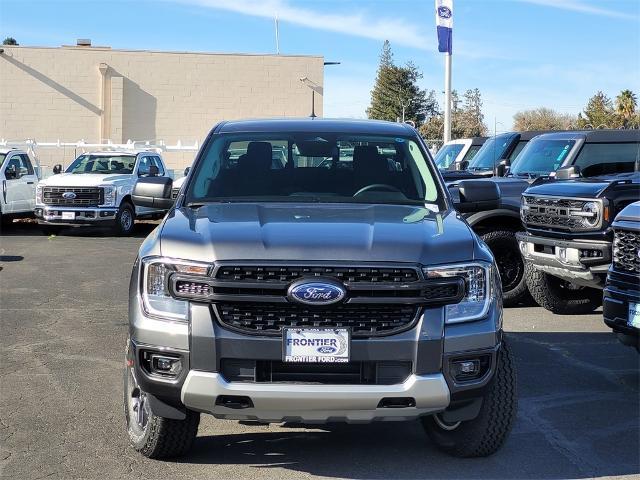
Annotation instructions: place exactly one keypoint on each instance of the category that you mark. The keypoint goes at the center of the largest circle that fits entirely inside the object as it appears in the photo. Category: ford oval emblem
(68, 195)
(318, 292)
(327, 349)
(444, 12)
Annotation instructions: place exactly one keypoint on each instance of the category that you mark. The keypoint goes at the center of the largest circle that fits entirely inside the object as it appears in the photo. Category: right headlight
(154, 287)
(477, 278)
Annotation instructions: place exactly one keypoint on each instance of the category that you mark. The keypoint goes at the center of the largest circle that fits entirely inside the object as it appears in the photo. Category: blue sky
(521, 54)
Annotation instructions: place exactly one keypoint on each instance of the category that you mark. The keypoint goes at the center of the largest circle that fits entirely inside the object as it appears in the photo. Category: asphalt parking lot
(63, 324)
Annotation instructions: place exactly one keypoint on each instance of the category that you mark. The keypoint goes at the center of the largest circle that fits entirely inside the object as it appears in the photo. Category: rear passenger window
(605, 158)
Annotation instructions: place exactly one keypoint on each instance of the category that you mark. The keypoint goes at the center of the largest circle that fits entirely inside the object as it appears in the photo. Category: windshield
(447, 154)
(541, 157)
(320, 168)
(491, 151)
(103, 164)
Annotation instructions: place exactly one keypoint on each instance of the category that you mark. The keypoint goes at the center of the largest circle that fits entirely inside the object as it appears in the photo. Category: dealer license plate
(316, 345)
(634, 315)
(68, 215)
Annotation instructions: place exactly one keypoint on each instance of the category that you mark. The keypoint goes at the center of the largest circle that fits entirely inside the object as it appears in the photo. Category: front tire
(125, 219)
(504, 246)
(485, 434)
(153, 436)
(560, 296)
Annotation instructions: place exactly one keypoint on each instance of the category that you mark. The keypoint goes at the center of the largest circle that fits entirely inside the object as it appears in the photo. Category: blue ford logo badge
(68, 195)
(444, 12)
(327, 349)
(321, 292)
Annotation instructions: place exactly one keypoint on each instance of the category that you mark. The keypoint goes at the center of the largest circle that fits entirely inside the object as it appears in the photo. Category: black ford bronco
(568, 218)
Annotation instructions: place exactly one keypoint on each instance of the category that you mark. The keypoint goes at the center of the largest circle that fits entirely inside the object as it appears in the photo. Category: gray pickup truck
(338, 284)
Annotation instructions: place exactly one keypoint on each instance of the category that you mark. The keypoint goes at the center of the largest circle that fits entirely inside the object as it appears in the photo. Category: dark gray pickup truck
(339, 284)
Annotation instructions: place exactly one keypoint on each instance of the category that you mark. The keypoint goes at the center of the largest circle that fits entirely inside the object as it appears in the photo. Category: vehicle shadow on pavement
(32, 229)
(577, 418)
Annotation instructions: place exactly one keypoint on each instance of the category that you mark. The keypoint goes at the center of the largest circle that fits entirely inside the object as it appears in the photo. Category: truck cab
(95, 189)
(19, 177)
(457, 154)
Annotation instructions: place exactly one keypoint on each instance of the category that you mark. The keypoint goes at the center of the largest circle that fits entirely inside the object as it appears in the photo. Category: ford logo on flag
(68, 195)
(444, 12)
(320, 292)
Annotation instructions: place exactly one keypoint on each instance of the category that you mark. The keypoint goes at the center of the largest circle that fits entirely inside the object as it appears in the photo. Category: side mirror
(186, 171)
(463, 165)
(477, 195)
(57, 169)
(501, 168)
(11, 172)
(566, 173)
(153, 192)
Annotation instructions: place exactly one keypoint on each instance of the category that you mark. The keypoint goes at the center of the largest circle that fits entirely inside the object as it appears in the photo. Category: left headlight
(154, 286)
(109, 195)
(478, 289)
(39, 194)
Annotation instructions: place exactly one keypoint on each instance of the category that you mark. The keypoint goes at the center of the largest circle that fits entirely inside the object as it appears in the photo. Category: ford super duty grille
(552, 213)
(77, 196)
(379, 300)
(626, 245)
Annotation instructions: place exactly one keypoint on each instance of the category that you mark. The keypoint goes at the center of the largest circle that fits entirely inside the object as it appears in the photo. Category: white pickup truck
(19, 178)
(96, 190)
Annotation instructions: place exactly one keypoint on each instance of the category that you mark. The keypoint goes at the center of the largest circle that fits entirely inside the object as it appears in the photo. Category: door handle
(29, 183)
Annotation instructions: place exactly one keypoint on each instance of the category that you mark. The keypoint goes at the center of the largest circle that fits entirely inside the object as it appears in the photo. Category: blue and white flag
(444, 24)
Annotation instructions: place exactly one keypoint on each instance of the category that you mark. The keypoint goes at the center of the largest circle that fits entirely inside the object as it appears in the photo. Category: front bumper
(430, 348)
(59, 215)
(622, 289)
(279, 402)
(577, 261)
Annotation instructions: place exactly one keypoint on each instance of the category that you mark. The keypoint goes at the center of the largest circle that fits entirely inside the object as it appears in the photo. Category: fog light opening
(465, 369)
(161, 364)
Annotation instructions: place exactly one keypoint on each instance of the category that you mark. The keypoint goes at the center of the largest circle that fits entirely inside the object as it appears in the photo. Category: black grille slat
(85, 196)
(558, 217)
(363, 319)
(276, 273)
(626, 245)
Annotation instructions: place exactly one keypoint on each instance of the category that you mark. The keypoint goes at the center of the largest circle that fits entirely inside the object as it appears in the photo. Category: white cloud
(397, 31)
(582, 7)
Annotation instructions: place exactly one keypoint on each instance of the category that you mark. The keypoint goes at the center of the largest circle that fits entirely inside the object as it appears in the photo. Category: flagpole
(447, 97)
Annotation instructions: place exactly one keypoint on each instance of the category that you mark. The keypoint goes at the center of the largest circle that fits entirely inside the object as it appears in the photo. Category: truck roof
(312, 125)
(595, 136)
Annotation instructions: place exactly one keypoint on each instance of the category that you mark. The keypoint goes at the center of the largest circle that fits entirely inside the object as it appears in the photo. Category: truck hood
(83, 179)
(630, 213)
(340, 232)
(581, 187)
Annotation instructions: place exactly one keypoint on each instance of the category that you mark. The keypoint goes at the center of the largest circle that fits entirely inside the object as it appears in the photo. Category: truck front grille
(379, 300)
(275, 273)
(77, 196)
(363, 319)
(626, 245)
(552, 213)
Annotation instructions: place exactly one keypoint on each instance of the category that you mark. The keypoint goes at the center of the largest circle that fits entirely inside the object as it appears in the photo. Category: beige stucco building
(97, 94)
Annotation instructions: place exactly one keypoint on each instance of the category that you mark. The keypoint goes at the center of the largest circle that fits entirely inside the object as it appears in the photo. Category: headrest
(366, 157)
(258, 157)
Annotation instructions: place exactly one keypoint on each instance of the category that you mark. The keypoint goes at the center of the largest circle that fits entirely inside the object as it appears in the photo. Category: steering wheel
(377, 186)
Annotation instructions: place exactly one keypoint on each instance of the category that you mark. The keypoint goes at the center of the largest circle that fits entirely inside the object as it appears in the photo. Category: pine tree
(396, 87)
(598, 113)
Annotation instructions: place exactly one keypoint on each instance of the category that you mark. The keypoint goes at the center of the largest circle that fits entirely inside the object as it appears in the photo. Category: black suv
(568, 218)
(622, 291)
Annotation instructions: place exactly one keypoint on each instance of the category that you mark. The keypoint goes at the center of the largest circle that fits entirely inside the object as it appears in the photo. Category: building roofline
(175, 52)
